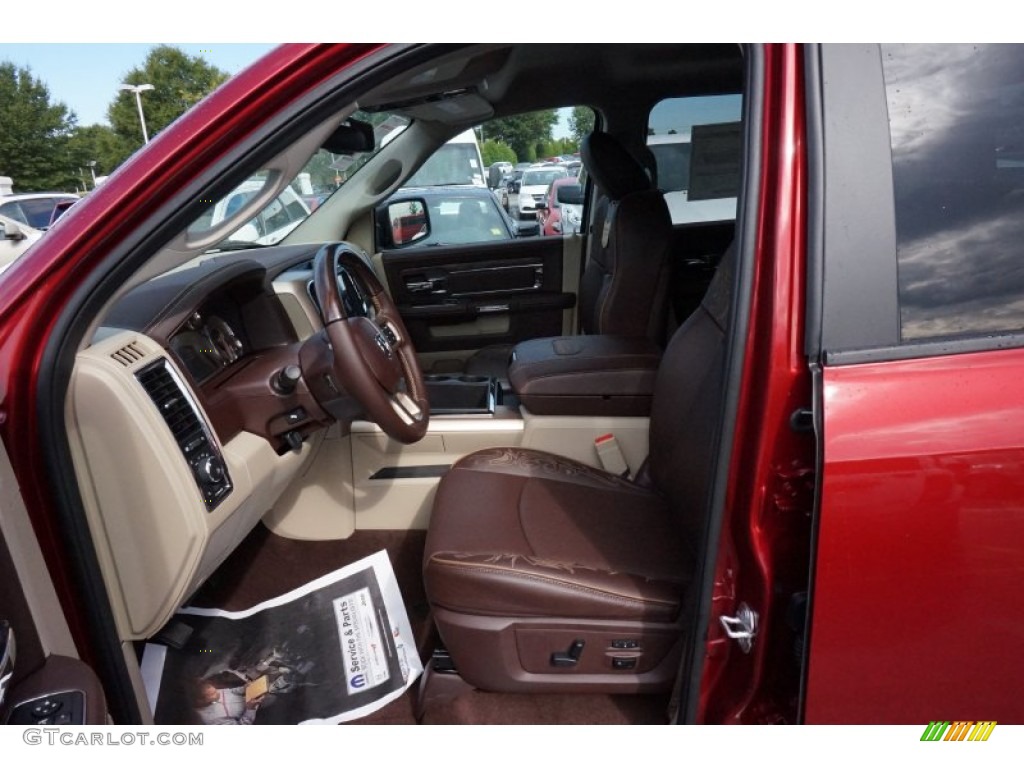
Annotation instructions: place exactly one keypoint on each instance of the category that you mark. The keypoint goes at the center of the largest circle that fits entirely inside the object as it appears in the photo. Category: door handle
(435, 285)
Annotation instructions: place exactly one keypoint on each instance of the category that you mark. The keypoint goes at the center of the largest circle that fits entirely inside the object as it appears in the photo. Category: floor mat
(480, 708)
(332, 650)
(266, 565)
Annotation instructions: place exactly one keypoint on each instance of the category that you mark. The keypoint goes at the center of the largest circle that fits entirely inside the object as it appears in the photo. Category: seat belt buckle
(610, 455)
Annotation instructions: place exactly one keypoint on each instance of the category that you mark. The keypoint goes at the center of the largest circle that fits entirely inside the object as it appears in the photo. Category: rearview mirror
(570, 194)
(350, 137)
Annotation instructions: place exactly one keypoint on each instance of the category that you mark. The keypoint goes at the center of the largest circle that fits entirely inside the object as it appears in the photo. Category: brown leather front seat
(549, 575)
(622, 291)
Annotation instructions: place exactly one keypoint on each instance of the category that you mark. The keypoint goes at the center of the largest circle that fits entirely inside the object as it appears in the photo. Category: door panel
(469, 296)
(42, 667)
(920, 561)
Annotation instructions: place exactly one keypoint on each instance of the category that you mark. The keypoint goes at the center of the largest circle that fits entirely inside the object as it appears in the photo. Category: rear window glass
(697, 146)
(956, 116)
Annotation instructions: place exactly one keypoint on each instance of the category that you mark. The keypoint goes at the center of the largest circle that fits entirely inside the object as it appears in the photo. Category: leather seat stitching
(617, 596)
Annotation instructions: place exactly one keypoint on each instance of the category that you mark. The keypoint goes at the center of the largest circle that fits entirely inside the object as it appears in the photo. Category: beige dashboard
(155, 535)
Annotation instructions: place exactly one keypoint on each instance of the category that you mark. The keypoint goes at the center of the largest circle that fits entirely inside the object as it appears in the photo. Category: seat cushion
(523, 533)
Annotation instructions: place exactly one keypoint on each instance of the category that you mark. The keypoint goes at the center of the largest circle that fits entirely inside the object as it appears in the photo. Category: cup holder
(459, 393)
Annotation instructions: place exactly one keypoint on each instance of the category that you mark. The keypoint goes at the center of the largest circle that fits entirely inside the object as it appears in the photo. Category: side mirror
(409, 221)
(527, 228)
(12, 231)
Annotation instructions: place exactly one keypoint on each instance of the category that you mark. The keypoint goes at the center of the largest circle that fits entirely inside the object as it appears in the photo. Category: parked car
(15, 239)
(562, 209)
(458, 215)
(36, 209)
(533, 185)
(809, 509)
(510, 186)
(270, 224)
(62, 207)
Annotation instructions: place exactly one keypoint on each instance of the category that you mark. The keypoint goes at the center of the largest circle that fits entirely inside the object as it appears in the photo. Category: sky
(50, 37)
(85, 76)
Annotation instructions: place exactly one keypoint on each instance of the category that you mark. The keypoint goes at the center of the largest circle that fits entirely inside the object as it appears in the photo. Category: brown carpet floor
(266, 565)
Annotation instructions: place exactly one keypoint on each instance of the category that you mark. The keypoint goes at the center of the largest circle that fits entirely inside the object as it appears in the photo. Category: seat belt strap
(610, 455)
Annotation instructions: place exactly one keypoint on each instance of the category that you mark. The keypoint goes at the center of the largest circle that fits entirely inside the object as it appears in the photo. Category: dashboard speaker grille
(128, 354)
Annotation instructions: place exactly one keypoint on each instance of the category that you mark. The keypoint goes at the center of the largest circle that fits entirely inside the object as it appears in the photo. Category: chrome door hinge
(742, 627)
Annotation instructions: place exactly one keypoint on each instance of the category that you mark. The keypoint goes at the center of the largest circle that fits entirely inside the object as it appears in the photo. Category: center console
(585, 375)
(463, 394)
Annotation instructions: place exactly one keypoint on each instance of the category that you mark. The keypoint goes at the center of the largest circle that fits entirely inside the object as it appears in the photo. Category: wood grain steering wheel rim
(373, 358)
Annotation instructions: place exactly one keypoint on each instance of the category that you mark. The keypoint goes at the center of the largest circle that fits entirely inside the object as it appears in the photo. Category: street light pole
(137, 90)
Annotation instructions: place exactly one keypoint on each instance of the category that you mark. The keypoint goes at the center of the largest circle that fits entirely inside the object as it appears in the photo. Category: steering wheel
(373, 358)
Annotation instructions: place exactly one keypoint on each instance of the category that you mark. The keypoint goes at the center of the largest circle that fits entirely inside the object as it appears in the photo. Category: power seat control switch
(66, 708)
(570, 657)
(625, 645)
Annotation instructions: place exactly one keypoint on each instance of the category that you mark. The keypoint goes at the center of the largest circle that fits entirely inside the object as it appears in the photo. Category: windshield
(451, 164)
(542, 178)
(457, 220)
(323, 175)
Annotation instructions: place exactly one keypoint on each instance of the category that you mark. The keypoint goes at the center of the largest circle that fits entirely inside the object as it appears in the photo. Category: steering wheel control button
(390, 336)
(383, 345)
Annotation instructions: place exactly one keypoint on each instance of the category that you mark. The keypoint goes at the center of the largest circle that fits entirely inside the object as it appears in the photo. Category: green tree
(525, 133)
(558, 147)
(494, 151)
(581, 122)
(179, 81)
(33, 134)
(93, 144)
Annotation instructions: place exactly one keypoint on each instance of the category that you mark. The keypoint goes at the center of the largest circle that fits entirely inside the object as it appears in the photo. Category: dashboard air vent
(128, 354)
(190, 431)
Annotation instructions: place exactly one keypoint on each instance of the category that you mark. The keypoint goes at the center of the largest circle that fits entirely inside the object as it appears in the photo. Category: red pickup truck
(825, 497)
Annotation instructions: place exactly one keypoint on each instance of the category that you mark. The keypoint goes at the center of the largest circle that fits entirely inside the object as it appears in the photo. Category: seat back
(685, 410)
(473, 221)
(626, 275)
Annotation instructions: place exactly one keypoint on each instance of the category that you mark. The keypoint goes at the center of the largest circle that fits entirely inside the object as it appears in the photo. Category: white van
(457, 162)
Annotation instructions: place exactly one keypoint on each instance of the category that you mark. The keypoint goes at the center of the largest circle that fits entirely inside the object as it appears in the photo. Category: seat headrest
(616, 172)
